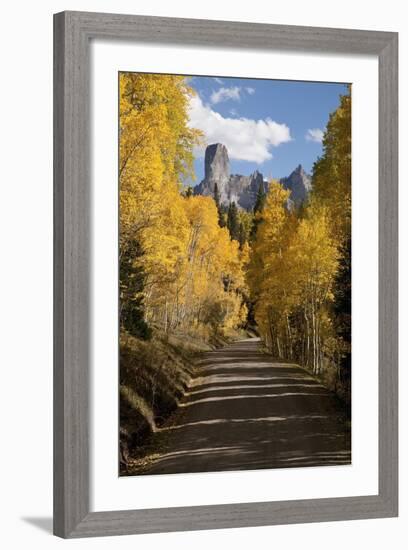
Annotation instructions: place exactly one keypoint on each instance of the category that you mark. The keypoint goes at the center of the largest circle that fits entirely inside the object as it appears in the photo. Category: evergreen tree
(232, 221)
(331, 184)
(342, 310)
(241, 235)
(222, 215)
(188, 192)
(216, 195)
(260, 199)
(132, 279)
(221, 222)
(258, 207)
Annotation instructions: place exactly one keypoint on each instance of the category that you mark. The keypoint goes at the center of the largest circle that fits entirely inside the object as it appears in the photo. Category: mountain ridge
(243, 189)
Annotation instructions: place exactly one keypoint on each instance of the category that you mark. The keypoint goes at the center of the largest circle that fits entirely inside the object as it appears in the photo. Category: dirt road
(247, 411)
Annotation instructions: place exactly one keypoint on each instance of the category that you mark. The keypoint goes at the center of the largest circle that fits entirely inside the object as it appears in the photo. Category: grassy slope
(153, 377)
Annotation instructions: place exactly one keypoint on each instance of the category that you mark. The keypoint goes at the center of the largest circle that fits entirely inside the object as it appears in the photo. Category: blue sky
(267, 125)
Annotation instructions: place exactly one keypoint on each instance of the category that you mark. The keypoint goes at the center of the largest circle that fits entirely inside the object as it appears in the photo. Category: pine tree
(222, 216)
(260, 199)
(218, 205)
(258, 207)
(132, 280)
(188, 192)
(232, 221)
(241, 235)
(216, 195)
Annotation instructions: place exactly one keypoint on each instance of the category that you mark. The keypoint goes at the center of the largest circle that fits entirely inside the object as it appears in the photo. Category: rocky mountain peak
(243, 189)
(299, 184)
(216, 164)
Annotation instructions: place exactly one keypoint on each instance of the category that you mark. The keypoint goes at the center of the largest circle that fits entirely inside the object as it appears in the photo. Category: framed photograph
(225, 285)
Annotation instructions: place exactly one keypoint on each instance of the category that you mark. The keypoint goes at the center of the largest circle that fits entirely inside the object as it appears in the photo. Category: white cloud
(218, 80)
(233, 112)
(245, 139)
(314, 134)
(224, 94)
(232, 93)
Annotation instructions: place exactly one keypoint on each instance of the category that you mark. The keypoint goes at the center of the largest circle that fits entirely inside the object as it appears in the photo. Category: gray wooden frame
(72, 34)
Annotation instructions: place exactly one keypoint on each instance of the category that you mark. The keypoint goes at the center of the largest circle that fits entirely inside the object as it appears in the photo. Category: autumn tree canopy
(299, 272)
(179, 268)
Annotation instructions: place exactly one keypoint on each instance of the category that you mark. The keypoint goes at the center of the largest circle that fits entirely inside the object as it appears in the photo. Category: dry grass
(153, 377)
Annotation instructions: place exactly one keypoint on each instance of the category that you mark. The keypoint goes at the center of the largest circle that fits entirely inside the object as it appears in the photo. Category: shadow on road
(247, 411)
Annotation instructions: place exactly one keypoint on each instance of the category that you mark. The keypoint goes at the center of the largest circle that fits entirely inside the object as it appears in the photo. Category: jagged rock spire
(216, 164)
(299, 183)
(243, 189)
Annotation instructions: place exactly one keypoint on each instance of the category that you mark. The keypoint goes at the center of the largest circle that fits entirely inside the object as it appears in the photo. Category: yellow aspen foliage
(291, 275)
(156, 144)
(314, 258)
(332, 172)
(214, 272)
(179, 269)
(271, 222)
(331, 190)
(299, 269)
